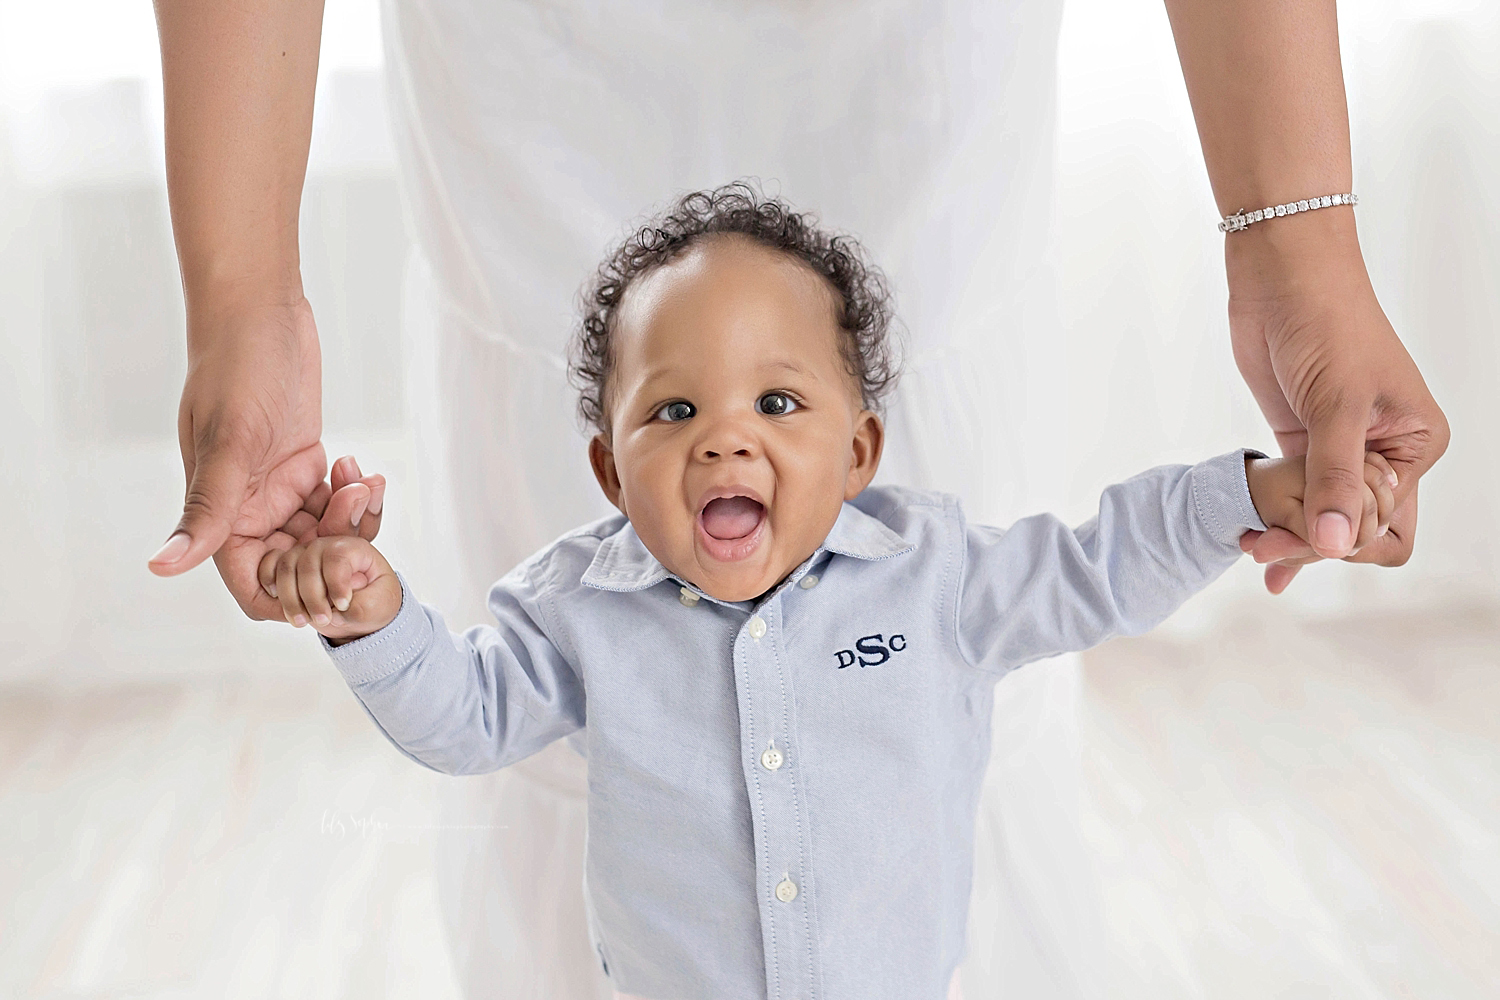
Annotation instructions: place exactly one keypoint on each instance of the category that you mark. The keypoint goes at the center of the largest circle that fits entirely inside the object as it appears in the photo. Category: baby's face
(737, 431)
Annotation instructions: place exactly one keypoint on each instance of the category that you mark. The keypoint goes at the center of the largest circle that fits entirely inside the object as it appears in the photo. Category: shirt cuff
(1221, 496)
(382, 653)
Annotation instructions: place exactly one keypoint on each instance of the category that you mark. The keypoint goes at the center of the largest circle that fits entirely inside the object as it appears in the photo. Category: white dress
(530, 134)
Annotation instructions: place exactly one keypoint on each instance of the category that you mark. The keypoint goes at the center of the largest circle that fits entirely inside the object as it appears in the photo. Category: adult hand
(350, 504)
(1333, 381)
(249, 428)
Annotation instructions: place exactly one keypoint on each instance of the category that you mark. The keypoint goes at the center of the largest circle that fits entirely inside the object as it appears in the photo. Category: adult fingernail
(271, 589)
(377, 501)
(174, 549)
(1333, 531)
(1382, 530)
(299, 621)
(342, 603)
(1391, 478)
(320, 619)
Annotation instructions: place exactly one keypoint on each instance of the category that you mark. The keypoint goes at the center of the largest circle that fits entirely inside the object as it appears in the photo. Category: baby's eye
(775, 404)
(676, 412)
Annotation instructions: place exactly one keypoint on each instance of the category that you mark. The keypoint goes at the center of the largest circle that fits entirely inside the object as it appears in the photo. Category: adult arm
(238, 81)
(1326, 367)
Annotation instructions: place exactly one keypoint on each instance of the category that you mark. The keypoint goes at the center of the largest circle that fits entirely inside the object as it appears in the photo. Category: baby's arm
(1040, 587)
(458, 704)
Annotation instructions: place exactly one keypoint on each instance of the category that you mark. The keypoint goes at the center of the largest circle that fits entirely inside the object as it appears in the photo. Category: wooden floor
(1308, 811)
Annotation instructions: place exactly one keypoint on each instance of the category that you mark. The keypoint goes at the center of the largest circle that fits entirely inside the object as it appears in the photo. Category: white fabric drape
(528, 136)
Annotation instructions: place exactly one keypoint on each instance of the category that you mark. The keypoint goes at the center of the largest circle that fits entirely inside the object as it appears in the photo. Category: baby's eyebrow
(654, 374)
(787, 366)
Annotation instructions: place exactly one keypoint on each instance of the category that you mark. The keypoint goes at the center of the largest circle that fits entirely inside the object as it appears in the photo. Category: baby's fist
(341, 584)
(1277, 487)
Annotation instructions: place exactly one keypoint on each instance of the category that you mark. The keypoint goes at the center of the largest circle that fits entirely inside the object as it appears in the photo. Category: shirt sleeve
(1041, 588)
(469, 703)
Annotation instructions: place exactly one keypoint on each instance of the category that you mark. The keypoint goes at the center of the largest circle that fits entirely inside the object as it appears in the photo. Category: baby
(781, 676)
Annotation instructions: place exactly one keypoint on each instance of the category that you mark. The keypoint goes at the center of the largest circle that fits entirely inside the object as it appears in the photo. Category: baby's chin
(738, 580)
(739, 586)
(733, 581)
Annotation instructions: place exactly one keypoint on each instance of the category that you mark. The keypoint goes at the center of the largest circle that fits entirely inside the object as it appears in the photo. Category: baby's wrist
(373, 609)
(1276, 491)
(342, 636)
(1256, 484)
(346, 632)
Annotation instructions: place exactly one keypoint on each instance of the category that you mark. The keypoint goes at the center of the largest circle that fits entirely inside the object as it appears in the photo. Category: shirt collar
(623, 563)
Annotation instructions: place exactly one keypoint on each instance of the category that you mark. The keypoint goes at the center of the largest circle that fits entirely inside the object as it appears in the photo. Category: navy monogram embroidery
(871, 646)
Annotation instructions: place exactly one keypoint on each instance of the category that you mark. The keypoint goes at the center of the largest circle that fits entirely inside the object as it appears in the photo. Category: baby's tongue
(731, 517)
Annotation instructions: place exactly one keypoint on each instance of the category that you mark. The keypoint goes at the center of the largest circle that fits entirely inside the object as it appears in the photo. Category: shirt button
(757, 627)
(808, 582)
(786, 890)
(687, 597)
(771, 759)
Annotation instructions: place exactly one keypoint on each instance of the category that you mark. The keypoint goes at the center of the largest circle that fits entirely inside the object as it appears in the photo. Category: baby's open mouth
(728, 518)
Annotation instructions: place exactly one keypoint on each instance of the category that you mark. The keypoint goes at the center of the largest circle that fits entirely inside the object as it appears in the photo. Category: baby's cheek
(664, 525)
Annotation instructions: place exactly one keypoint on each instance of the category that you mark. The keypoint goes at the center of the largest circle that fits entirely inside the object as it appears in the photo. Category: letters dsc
(870, 645)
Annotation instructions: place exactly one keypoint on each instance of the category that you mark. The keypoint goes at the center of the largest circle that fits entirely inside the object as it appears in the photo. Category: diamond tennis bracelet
(1244, 220)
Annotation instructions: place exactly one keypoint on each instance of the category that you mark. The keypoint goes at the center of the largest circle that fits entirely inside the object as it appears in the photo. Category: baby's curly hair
(863, 310)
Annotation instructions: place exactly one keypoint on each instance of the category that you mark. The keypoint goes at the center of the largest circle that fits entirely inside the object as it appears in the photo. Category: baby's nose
(742, 452)
(725, 438)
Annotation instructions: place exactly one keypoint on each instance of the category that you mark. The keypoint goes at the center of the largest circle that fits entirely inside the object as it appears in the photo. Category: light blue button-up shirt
(782, 793)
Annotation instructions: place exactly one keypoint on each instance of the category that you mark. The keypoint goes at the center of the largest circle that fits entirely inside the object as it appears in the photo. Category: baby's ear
(869, 440)
(602, 458)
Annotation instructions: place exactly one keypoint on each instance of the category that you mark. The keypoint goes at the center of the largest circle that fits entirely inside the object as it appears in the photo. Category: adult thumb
(208, 513)
(1334, 500)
